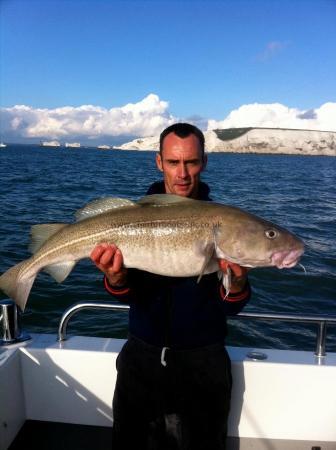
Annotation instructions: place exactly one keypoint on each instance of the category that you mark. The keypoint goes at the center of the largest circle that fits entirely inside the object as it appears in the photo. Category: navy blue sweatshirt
(178, 312)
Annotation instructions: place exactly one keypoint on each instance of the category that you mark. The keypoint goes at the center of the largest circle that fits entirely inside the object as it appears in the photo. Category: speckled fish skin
(163, 234)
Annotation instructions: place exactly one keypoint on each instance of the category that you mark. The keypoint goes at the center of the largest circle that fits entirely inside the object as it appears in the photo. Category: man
(174, 377)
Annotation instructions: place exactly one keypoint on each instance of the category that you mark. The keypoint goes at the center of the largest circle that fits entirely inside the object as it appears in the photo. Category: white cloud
(145, 118)
(272, 49)
(276, 115)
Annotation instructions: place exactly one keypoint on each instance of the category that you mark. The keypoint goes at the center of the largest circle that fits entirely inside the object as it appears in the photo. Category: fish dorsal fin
(40, 233)
(102, 205)
(163, 200)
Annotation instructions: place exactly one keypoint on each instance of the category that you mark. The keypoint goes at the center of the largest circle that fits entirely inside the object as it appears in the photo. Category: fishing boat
(72, 144)
(56, 390)
(50, 144)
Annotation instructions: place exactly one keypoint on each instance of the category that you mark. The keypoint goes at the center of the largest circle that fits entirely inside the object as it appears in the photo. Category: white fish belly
(168, 263)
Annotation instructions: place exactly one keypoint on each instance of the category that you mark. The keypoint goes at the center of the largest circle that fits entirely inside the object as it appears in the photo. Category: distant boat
(104, 147)
(50, 144)
(2, 145)
(72, 144)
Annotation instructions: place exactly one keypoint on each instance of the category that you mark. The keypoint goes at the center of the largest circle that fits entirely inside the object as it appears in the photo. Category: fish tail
(17, 284)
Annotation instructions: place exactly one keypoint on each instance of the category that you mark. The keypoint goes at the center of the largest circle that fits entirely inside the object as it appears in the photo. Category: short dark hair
(183, 130)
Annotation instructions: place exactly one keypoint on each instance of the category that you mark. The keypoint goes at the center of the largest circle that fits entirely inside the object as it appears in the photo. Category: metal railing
(321, 321)
(10, 327)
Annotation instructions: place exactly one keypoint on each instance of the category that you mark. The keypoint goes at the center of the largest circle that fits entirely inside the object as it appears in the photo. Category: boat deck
(41, 435)
(281, 400)
(55, 436)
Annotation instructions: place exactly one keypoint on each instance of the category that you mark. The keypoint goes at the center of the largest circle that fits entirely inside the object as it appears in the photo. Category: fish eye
(271, 234)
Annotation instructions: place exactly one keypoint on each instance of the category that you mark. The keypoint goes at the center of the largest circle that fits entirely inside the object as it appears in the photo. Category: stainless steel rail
(68, 313)
(321, 321)
(10, 326)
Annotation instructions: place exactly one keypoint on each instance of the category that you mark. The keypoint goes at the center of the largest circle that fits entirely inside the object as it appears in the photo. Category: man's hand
(109, 259)
(238, 277)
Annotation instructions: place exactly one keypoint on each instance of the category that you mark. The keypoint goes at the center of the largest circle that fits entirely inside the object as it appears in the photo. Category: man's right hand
(109, 259)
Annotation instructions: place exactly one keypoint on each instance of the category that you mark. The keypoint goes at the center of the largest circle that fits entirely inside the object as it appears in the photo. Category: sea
(43, 185)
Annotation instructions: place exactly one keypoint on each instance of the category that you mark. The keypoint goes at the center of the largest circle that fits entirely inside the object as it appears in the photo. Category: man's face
(181, 163)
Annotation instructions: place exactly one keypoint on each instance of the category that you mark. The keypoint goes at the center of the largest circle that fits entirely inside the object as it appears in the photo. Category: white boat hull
(288, 397)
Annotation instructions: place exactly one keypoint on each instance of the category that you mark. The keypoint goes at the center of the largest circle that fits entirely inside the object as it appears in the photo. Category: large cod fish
(164, 234)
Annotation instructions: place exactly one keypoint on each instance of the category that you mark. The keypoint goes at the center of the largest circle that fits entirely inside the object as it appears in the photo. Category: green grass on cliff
(231, 133)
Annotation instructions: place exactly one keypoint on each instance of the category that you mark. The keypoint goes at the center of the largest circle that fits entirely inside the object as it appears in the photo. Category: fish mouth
(286, 259)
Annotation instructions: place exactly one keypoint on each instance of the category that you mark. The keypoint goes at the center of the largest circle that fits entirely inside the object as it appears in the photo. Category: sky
(106, 71)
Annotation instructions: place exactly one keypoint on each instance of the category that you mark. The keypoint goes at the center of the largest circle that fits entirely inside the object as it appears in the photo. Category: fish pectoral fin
(60, 271)
(227, 280)
(102, 205)
(42, 232)
(163, 200)
(209, 254)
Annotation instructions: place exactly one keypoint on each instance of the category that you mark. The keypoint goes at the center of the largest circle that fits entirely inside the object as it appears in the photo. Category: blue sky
(204, 59)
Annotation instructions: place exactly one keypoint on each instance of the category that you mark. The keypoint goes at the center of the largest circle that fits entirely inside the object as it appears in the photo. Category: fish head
(253, 242)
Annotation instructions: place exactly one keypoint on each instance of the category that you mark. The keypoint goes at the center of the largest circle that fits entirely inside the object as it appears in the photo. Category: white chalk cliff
(256, 140)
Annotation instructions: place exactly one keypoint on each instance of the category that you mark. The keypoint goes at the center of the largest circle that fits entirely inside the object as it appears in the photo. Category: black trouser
(183, 405)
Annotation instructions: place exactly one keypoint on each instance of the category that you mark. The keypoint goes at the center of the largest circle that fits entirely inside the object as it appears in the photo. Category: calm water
(40, 185)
